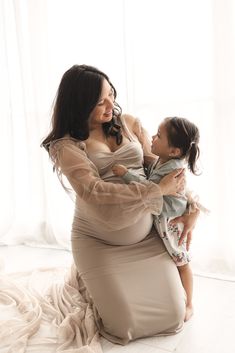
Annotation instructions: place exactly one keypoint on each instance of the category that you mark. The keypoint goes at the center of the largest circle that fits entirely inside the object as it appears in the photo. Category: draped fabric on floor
(48, 309)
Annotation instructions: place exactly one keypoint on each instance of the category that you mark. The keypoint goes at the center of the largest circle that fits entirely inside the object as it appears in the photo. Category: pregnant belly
(126, 236)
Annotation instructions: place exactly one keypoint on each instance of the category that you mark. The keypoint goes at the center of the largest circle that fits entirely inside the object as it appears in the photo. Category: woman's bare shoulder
(129, 120)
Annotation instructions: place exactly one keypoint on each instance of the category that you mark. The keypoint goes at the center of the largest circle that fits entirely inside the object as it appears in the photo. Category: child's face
(160, 145)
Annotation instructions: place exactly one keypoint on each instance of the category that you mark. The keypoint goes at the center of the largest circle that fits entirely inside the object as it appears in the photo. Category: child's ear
(175, 152)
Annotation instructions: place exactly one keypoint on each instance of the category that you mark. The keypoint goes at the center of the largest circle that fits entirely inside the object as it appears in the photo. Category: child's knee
(183, 268)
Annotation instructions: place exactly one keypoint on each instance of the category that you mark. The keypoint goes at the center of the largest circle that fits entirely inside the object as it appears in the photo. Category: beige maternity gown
(132, 281)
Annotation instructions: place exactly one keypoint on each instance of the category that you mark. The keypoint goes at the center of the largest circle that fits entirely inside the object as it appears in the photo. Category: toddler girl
(175, 144)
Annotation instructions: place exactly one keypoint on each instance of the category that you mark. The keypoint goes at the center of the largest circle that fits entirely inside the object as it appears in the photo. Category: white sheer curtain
(164, 57)
(182, 62)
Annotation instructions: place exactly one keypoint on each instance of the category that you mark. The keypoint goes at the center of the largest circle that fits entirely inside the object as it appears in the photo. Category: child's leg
(187, 281)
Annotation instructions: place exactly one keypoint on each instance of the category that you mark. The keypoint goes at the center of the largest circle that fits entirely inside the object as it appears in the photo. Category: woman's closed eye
(111, 94)
(101, 102)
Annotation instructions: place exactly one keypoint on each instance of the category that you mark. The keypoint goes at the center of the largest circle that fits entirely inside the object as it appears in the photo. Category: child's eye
(100, 103)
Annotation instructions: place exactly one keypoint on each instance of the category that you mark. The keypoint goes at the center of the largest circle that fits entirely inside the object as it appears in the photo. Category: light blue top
(172, 206)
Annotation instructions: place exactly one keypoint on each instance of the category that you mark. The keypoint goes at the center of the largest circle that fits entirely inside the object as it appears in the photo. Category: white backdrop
(164, 57)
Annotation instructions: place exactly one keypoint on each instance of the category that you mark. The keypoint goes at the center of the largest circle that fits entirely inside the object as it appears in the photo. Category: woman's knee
(117, 319)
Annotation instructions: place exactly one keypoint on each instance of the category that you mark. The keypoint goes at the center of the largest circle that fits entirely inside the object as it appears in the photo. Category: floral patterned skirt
(170, 235)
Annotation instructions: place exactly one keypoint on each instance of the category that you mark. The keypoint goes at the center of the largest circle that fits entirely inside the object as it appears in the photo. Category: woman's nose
(110, 103)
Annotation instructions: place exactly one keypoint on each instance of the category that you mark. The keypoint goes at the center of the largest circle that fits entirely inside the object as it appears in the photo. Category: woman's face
(103, 110)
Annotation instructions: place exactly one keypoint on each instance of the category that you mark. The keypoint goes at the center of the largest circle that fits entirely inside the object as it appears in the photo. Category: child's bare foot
(189, 312)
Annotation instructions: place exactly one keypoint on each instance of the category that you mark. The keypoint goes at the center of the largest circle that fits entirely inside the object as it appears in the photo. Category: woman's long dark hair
(183, 134)
(78, 93)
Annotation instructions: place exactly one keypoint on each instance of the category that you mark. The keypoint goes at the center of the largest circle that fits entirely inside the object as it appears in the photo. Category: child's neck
(163, 160)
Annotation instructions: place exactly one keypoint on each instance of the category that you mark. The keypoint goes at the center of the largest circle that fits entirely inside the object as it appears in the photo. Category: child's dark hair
(183, 134)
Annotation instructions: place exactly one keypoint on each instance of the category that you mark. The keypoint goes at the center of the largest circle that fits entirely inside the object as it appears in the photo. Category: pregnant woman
(132, 282)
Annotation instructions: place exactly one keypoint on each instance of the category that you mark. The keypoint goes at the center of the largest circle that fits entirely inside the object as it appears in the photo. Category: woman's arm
(116, 205)
(71, 161)
(189, 218)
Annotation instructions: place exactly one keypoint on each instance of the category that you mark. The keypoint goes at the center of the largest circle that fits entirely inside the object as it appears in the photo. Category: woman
(130, 278)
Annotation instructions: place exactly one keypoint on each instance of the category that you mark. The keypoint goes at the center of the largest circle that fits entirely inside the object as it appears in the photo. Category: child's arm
(122, 171)
(119, 170)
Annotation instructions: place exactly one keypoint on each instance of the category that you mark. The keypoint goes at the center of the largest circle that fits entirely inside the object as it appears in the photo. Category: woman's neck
(95, 126)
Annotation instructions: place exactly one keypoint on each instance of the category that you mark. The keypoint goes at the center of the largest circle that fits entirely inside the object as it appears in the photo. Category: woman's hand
(189, 221)
(173, 183)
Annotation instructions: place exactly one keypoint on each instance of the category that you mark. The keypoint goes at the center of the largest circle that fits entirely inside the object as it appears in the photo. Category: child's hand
(119, 170)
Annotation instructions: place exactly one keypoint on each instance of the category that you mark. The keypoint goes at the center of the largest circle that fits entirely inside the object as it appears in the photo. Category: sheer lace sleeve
(193, 203)
(70, 159)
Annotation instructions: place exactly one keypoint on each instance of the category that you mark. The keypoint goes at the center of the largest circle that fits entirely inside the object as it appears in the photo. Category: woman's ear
(175, 152)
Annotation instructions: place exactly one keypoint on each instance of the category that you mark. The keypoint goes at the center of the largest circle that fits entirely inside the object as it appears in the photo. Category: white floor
(211, 330)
